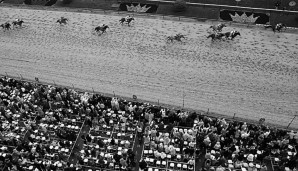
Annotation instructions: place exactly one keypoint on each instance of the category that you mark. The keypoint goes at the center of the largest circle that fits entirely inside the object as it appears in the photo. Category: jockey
(233, 32)
(17, 20)
(127, 17)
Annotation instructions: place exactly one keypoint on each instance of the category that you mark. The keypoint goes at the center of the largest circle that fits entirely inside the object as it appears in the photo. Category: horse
(101, 28)
(177, 37)
(279, 27)
(127, 20)
(62, 20)
(215, 36)
(17, 23)
(218, 27)
(171, 38)
(6, 26)
(232, 34)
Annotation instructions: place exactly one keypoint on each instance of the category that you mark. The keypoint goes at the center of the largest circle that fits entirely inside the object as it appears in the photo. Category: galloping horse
(17, 23)
(101, 28)
(232, 34)
(6, 26)
(279, 27)
(127, 20)
(177, 37)
(218, 27)
(62, 20)
(215, 36)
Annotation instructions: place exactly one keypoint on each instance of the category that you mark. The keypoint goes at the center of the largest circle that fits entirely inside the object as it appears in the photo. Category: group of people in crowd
(40, 126)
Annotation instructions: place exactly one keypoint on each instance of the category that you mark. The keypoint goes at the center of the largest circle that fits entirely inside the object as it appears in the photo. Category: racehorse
(177, 37)
(279, 27)
(127, 20)
(215, 36)
(6, 26)
(62, 20)
(232, 34)
(218, 27)
(101, 28)
(17, 23)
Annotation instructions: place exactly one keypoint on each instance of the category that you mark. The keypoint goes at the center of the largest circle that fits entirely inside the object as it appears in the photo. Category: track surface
(254, 76)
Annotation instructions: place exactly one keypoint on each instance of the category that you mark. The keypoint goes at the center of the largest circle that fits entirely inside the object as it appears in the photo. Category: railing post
(291, 121)
(21, 77)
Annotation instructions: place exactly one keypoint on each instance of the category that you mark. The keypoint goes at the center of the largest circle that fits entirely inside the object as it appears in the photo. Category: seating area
(44, 127)
(108, 145)
(169, 150)
(242, 146)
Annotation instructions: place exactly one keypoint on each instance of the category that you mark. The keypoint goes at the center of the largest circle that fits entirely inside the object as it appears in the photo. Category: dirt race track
(254, 76)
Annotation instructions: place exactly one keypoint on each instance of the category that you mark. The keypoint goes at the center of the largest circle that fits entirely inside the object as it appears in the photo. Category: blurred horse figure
(18, 22)
(216, 36)
(278, 27)
(6, 26)
(177, 37)
(102, 28)
(127, 19)
(62, 20)
(232, 34)
(218, 27)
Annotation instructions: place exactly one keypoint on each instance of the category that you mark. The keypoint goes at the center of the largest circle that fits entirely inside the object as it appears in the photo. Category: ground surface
(254, 76)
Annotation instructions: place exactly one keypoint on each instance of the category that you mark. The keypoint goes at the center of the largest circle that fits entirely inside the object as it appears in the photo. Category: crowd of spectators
(41, 126)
